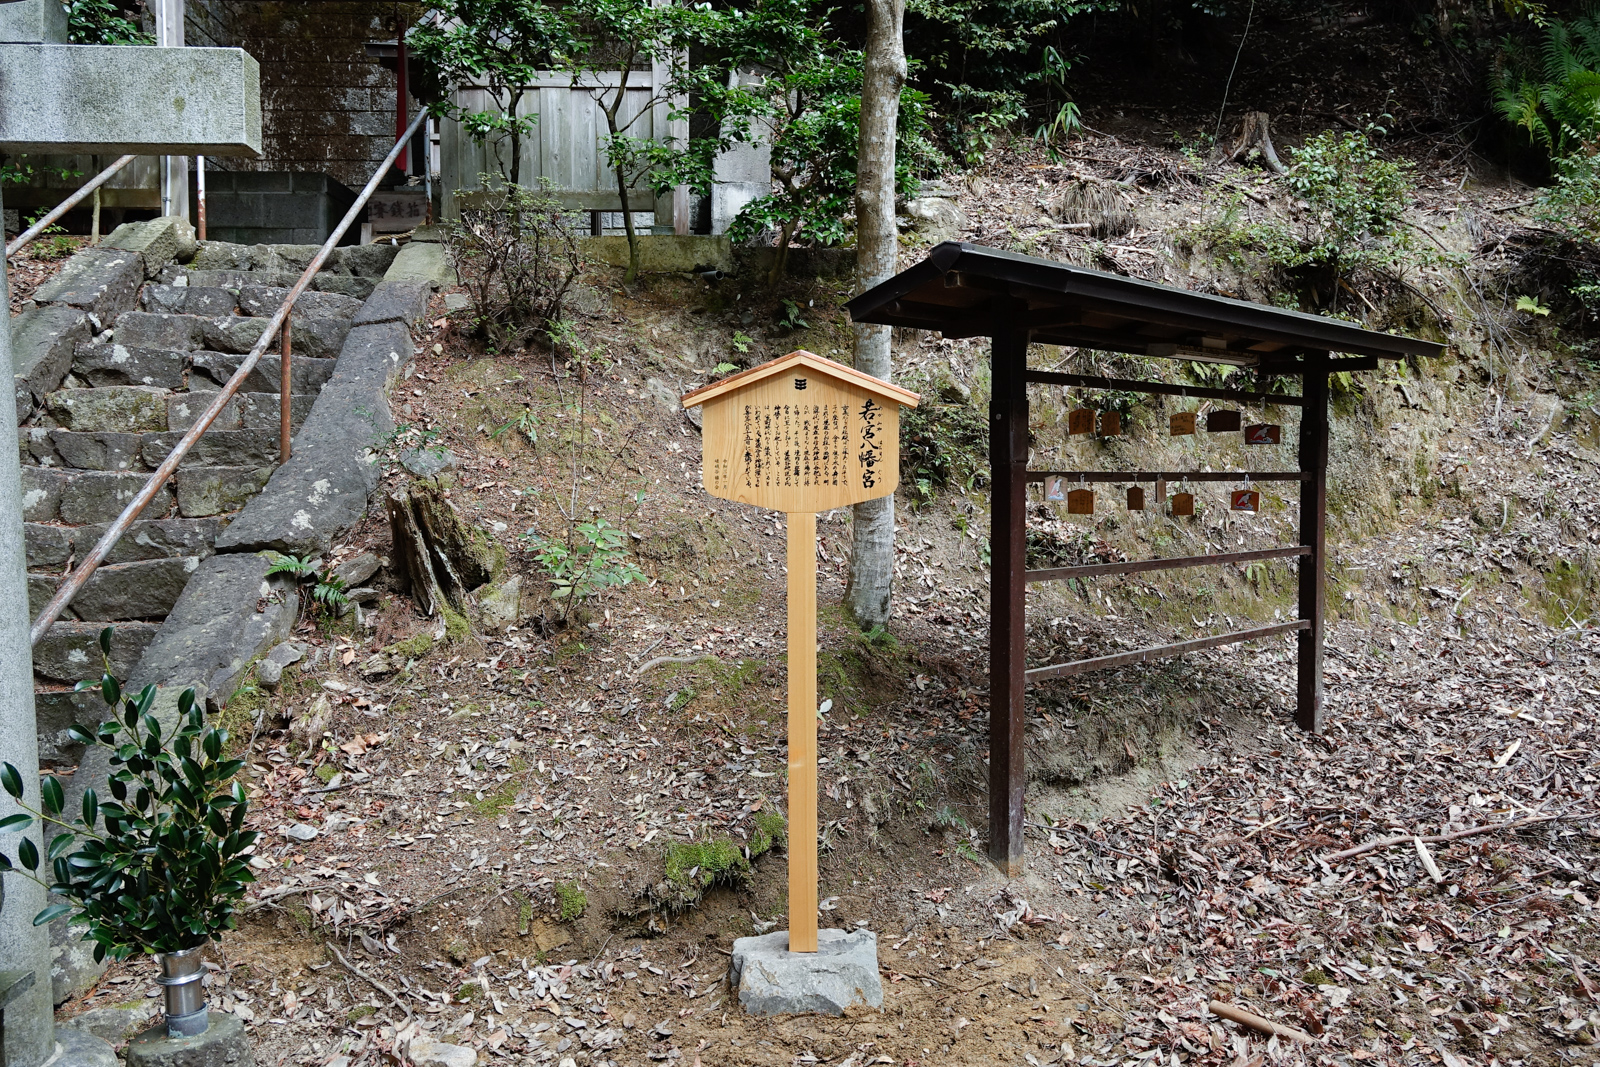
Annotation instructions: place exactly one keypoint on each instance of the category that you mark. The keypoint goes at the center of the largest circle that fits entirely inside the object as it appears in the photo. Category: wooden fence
(567, 144)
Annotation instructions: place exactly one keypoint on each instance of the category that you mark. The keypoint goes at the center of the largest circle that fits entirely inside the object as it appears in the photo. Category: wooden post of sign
(1008, 591)
(802, 731)
(1313, 534)
(802, 434)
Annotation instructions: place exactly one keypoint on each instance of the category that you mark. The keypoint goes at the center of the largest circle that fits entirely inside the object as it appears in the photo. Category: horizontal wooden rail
(1171, 476)
(1090, 381)
(1095, 570)
(1122, 659)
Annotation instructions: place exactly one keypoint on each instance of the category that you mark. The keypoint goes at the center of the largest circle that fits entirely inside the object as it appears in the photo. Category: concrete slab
(170, 101)
(842, 973)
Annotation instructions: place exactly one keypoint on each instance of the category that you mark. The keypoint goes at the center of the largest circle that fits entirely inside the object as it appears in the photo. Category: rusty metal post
(200, 198)
(1008, 588)
(283, 393)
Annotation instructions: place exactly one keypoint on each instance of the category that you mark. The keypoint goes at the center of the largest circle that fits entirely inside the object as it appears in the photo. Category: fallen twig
(379, 986)
(659, 660)
(1402, 839)
(1256, 1022)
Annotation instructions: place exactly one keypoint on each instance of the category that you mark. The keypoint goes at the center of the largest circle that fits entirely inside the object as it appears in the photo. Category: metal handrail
(279, 323)
(66, 205)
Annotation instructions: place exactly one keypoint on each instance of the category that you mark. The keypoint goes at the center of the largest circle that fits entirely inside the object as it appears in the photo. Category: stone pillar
(174, 169)
(30, 1019)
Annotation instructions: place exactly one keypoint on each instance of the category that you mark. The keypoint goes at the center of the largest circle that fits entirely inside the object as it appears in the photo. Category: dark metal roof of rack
(953, 291)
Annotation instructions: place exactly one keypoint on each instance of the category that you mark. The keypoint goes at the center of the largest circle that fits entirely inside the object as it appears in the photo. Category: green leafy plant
(526, 424)
(1532, 306)
(1554, 95)
(741, 342)
(593, 560)
(104, 22)
(725, 368)
(161, 866)
(791, 319)
(327, 588)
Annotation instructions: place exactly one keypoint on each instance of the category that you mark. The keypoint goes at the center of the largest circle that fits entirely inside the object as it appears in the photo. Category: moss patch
(692, 867)
(571, 899)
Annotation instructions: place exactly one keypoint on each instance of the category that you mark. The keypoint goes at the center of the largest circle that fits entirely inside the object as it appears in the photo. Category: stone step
(70, 651)
(344, 284)
(307, 374)
(318, 334)
(366, 261)
(207, 300)
(50, 547)
(118, 591)
(81, 497)
(257, 412)
(107, 451)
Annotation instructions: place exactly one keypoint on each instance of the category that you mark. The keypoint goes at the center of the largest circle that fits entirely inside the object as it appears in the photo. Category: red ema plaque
(1262, 433)
(1246, 500)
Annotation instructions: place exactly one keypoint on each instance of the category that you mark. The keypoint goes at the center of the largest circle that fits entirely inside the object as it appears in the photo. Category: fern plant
(1555, 95)
(327, 588)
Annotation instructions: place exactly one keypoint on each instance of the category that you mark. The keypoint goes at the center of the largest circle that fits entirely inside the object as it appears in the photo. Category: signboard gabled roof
(956, 288)
(810, 361)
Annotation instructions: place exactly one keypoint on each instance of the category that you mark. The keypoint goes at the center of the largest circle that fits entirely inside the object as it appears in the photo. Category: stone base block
(771, 980)
(78, 1048)
(224, 1044)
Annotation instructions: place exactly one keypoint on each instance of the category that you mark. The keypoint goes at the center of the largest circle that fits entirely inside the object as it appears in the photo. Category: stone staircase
(121, 354)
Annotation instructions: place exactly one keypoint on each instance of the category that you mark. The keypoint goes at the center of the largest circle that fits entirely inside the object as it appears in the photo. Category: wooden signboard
(397, 210)
(1182, 423)
(801, 434)
(1223, 422)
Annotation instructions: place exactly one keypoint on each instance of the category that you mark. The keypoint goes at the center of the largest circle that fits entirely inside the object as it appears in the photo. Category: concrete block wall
(275, 207)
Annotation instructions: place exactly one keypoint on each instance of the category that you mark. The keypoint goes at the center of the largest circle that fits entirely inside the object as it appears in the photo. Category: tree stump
(440, 556)
(1253, 140)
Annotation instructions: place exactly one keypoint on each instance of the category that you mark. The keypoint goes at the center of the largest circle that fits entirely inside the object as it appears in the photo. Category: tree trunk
(1255, 135)
(877, 244)
(627, 227)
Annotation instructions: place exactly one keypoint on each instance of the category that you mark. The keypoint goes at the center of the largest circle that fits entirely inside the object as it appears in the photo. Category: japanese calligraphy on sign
(801, 433)
(397, 210)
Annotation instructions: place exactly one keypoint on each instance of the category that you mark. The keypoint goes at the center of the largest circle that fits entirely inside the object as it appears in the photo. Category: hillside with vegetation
(530, 822)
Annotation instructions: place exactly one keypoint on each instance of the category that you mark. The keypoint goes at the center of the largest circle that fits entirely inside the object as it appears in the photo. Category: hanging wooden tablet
(1223, 422)
(1080, 421)
(1182, 423)
(1263, 433)
(1183, 503)
(1110, 424)
(1161, 491)
(1055, 488)
(1080, 502)
(1246, 500)
(1135, 498)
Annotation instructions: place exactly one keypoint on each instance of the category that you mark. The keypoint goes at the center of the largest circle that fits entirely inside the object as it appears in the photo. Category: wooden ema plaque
(1263, 433)
(1110, 424)
(1080, 502)
(801, 434)
(1080, 421)
(1245, 500)
(1055, 489)
(1183, 504)
(1223, 422)
(1135, 498)
(1181, 423)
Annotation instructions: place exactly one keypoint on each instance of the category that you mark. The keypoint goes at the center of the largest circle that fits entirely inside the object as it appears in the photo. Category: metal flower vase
(182, 991)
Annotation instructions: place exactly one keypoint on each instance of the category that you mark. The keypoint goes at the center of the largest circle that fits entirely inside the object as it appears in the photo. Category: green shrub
(1554, 95)
(572, 900)
(161, 866)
